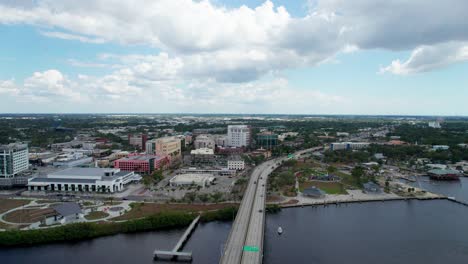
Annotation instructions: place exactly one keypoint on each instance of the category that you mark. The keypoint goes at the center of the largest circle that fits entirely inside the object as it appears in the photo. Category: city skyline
(232, 56)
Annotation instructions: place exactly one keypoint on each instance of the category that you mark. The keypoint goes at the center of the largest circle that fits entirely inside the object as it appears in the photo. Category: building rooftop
(371, 186)
(313, 191)
(202, 151)
(70, 174)
(82, 172)
(141, 157)
(13, 146)
(66, 209)
(192, 177)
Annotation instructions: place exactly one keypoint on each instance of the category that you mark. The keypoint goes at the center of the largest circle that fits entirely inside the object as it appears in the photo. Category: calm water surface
(457, 189)
(391, 232)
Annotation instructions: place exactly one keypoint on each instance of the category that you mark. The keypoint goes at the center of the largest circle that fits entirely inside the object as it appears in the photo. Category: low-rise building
(371, 187)
(190, 179)
(342, 134)
(440, 147)
(348, 145)
(235, 163)
(434, 124)
(229, 150)
(83, 180)
(267, 140)
(211, 171)
(68, 213)
(204, 141)
(142, 163)
(202, 156)
(221, 140)
(283, 136)
(138, 141)
(261, 152)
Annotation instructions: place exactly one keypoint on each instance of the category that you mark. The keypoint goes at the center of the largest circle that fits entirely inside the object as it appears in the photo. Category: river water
(378, 232)
(457, 189)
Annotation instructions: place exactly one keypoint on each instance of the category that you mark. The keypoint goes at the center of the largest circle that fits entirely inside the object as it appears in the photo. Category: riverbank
(84, 231)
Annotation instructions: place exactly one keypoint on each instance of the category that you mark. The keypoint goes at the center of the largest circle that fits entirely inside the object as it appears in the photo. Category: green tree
(357, 173)
(331, 169)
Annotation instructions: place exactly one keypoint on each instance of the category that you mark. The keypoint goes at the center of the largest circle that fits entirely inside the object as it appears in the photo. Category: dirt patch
(293, 201)
(140, 210)
(8, 204)
(273, 198)
(28, 215)
(45, 201)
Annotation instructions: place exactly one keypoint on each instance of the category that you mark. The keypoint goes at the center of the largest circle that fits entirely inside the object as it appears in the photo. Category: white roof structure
(192, 178)
(202, 151)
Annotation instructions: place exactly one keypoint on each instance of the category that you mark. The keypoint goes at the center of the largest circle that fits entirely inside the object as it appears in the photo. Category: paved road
(235, 242)
(248, 227)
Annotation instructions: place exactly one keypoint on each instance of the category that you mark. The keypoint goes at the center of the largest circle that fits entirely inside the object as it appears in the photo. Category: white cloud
(8, 87)
(44, 87)
(213, 56)
(243, 44)
(67, 36)
(427, 58)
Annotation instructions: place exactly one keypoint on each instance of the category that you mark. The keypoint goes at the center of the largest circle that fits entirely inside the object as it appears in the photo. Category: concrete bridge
(245, 241)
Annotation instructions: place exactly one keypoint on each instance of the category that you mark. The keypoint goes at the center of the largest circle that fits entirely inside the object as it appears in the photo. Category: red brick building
(142, 163)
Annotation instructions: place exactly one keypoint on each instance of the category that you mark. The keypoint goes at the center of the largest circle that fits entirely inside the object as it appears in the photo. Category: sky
(372, 57)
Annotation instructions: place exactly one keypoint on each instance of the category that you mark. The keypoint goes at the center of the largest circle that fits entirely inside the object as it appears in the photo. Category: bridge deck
(245, 241)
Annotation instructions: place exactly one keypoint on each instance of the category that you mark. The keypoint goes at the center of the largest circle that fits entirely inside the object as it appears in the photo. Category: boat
(280, 230)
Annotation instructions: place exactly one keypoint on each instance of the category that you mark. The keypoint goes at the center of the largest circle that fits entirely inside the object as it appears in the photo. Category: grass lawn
(305, 165)
(8, 204)
(140, 210)
(328, 187)
(110, 203)
(348, 180)
(96, 215)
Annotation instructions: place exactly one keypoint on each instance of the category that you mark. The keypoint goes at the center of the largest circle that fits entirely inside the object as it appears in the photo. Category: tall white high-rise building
(14, 158)
(239, 136)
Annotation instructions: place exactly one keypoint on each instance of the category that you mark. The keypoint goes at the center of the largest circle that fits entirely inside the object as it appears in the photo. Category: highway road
(245, 241)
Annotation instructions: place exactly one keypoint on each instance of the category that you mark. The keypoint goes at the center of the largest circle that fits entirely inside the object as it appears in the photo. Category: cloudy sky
(234, 56)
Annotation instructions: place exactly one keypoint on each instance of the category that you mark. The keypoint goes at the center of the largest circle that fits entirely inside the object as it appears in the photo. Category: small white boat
(280, 230)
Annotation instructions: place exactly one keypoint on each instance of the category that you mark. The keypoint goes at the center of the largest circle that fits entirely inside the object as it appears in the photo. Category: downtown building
(142, 163)
(14, 159)
(138, 141)
(204, 141)
(165, 146)
(84, 180)
(239, 136)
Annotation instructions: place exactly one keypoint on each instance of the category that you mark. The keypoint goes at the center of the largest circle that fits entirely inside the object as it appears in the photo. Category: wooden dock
(174, 254)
